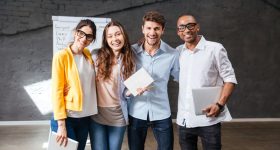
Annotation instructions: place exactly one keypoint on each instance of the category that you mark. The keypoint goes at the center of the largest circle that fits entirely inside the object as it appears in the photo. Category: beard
(152, 42)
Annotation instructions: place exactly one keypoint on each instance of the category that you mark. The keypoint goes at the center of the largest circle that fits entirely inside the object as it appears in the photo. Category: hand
(140, 91)
(66, 90)
(61, 133)
(128, 93)
(212, 110)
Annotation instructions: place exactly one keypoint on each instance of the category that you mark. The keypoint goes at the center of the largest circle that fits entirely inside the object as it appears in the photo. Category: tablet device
(204, 96)
(53, 145)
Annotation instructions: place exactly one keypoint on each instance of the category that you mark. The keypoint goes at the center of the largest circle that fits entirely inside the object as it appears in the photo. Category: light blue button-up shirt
(160, 66)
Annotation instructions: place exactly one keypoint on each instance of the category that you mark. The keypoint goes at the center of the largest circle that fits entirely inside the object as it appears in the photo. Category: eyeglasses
(190, 26)
(81, 34)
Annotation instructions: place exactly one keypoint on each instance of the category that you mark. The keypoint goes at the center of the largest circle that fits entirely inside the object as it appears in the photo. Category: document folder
(53, 145)
(139, 79)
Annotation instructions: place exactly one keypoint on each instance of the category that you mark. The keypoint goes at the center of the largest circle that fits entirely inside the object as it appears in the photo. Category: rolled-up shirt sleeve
(224, 66)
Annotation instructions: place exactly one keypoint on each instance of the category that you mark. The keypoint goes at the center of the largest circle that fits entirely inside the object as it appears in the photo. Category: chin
(152, 43)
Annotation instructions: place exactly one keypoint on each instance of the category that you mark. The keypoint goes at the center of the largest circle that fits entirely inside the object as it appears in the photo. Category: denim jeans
(162, 129)
(104, 137)
(210, 137)
(77, 129)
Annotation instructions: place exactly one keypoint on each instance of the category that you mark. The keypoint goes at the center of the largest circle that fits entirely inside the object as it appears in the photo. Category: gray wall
(249, 30)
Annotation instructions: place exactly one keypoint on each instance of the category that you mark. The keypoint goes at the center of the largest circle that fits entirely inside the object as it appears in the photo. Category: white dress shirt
(206, 66)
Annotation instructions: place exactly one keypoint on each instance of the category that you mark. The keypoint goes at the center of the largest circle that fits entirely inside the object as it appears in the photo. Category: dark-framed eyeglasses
(81, 34)
(182, 27)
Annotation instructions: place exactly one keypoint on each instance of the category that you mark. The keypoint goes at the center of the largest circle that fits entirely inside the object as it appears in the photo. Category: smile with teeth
(152, 38)
(117, 43)
(187, 35)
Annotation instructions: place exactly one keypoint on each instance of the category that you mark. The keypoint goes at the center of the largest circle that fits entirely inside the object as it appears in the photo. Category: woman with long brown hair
(114, 64)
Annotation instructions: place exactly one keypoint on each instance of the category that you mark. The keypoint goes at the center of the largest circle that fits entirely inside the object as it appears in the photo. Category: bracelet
(221, 107)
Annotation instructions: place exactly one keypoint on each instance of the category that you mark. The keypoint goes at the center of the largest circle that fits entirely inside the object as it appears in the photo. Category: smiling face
(115, 38)
(82, 37)
(152, 32)
(187, 29)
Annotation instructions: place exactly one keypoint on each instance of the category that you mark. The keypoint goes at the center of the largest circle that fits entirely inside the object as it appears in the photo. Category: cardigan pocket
(69, 96)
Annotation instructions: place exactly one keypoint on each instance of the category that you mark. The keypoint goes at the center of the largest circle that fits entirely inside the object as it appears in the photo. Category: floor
(235, 136)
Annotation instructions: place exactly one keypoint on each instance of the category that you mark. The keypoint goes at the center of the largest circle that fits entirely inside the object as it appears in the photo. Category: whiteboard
(63, 27)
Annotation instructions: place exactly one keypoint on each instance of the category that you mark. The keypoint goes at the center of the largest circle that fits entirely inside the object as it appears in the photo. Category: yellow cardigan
(65, 73)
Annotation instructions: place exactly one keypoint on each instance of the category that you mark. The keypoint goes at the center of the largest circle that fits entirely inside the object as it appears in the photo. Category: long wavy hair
(106, 57)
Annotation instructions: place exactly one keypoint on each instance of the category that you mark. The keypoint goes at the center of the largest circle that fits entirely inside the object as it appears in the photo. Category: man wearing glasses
(202, 64)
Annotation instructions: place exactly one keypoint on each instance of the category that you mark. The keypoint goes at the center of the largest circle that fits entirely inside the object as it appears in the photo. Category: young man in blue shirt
(151, 108)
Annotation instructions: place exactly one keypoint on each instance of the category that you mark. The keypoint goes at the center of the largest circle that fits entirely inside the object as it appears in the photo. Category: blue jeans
(162, 129)
(104, 137)
(210, 137)
(77, 129)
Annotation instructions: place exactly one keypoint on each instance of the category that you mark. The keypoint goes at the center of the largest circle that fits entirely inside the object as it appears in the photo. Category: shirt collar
(200, 45)
(162, 47)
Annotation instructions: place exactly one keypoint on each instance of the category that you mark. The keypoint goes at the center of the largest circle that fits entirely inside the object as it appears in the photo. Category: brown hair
(89, 23)
(155, 17)
(105, 56)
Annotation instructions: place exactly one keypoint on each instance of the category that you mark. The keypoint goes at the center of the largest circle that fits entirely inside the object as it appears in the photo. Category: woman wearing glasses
(73, 70)
(114, 63)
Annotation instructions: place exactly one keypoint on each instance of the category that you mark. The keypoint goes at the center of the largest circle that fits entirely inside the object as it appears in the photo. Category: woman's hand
(61, 133)
(128, 93)
(143, 90)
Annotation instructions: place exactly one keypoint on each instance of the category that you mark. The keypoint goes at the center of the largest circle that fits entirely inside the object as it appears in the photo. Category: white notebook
(204, 96)
(53, 145)
(140, 79)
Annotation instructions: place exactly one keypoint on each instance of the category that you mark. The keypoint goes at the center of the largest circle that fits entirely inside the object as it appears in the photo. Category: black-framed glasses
(190, 26)
(81, 34)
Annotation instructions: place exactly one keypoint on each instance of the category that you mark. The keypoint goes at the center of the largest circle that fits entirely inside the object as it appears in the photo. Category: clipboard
(204, 96)
(53, 145)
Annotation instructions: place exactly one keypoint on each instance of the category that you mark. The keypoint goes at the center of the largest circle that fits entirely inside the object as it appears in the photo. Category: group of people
(89, 96)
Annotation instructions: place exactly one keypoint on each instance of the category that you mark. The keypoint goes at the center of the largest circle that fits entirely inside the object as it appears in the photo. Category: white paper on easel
(139, 79)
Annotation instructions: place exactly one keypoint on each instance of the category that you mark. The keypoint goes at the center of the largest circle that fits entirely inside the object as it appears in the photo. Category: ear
(178, 33)
(143, 29)
(198, 27)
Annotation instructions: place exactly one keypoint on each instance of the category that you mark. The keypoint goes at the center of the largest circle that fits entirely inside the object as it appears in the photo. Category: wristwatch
(221, 107)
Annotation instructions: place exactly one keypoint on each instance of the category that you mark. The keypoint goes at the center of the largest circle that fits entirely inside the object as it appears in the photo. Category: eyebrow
(85, 32)
(188, 23)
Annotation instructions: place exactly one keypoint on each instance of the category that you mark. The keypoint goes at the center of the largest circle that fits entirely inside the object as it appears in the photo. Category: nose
(152, 32)
(114, 37)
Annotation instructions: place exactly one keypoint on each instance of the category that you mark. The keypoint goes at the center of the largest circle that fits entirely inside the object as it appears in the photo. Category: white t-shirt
(87, 79)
